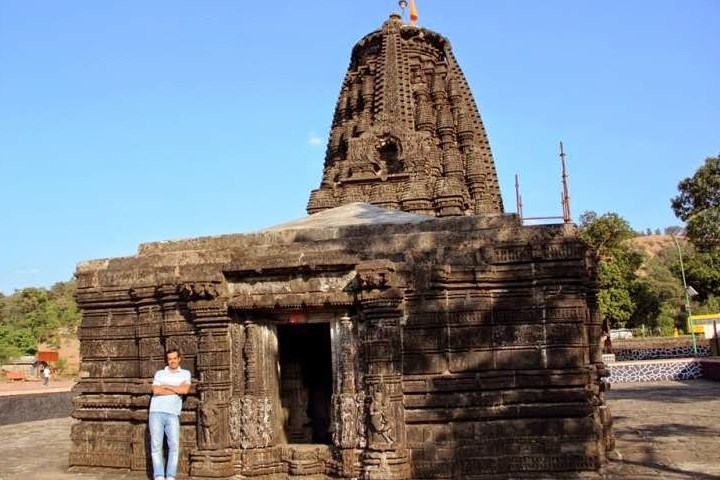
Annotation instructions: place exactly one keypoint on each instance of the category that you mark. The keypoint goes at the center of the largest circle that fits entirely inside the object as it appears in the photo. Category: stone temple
(406, 329)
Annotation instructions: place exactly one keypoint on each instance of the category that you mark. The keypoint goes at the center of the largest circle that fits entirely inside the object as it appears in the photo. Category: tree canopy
(698, 205)
(32, 316)
(604, 233)
(607, 235)
(636, 290)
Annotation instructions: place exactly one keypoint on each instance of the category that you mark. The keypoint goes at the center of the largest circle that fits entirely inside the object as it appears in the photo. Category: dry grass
(653, 244)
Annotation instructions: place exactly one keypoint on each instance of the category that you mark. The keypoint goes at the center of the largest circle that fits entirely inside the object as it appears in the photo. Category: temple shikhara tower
(406, 329)
(406, 133)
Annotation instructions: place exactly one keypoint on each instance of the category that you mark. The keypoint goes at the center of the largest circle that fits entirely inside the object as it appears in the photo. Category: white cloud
(314, 140)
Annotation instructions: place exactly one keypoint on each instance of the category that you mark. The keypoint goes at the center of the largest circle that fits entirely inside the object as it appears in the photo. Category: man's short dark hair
(172, 350)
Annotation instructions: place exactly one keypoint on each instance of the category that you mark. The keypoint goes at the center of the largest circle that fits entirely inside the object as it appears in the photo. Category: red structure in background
(48, 356)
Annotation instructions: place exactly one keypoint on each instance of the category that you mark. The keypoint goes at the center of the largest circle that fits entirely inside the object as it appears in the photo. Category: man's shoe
(160, 478)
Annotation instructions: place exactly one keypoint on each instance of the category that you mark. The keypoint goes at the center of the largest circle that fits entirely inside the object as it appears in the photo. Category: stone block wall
(497, 379)
(123, 337)
(461, 348)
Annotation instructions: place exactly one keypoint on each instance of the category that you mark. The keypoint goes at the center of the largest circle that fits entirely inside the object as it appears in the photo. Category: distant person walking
(46, 374)
(164, 417)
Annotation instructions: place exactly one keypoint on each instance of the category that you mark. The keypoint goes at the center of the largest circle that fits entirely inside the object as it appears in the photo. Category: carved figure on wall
(379, 422)
(348, 430)
(441, 315)
(209, 417)
(295, 403)
(250, 422)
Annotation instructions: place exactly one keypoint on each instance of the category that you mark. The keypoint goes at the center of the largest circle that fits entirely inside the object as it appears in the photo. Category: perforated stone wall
(652, 371)
(684, 351)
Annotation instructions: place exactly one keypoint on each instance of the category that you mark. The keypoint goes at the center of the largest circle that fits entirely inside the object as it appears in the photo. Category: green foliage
(698, 205)
(604, 233)
(617, 284)
(658, 296)
(658, 274)
(32, 316)
(646, 307)
(61, 364)
(7, 350)
(618, 264)
(668, 320)
(647, 293)
(710, 306)
(18, 339)
(702, 272)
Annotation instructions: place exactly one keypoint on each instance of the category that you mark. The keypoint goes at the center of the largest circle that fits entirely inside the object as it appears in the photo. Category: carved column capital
(380, 284)
(378, 275)
(199, 290)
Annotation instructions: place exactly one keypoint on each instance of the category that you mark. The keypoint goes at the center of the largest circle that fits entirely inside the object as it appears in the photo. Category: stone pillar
(151, 304)
(347, 401)
(105, 406)
(255, 408)
(386, 456)
(213, 456)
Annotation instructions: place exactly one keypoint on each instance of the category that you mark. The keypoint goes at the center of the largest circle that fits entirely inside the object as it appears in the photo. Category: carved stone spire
(406, 133)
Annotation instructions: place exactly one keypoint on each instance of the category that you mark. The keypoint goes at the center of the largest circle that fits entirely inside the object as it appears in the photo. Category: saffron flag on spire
(413, 13)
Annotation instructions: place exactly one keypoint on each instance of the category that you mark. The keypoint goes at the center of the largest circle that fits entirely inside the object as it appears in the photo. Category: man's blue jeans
(167, 425)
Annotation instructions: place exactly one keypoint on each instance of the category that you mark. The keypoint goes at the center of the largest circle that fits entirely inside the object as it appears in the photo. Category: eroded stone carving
(198, 291)
(349, 425)
(390, 130)
(382, 432)
(469, 340)
(250, 422)
(211, 422)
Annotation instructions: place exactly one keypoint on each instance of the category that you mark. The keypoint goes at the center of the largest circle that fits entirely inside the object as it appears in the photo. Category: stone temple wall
(462, 347)
(407, 329)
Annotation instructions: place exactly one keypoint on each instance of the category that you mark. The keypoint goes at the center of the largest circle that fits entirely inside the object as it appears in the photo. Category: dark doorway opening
(390, 154)
(305, 381)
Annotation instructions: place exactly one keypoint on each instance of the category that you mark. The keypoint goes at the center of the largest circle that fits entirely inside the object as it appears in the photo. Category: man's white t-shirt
(169, 403)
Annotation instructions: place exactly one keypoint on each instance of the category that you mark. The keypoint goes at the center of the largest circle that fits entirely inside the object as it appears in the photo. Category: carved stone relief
(469, 341)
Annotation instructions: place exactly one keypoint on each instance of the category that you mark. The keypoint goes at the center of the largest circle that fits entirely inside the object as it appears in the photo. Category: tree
(698, 205)
(63, 295)
(658, 294)
(8, 349)
(20, 341)
(702, 271)
(604, 233)
(32, 309)
(32, 316)
(618, 264)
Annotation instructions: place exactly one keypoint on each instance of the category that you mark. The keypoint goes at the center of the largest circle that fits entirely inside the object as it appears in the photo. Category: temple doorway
(305, 381)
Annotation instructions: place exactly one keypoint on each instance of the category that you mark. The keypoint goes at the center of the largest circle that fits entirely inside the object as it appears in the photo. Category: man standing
(164, 417)
(46, 374)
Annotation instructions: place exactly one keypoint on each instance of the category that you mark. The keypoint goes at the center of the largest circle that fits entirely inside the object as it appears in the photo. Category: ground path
(34, 386)
(664, 430)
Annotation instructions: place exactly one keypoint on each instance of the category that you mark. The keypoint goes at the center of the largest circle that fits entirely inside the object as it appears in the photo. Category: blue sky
(132, 121)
